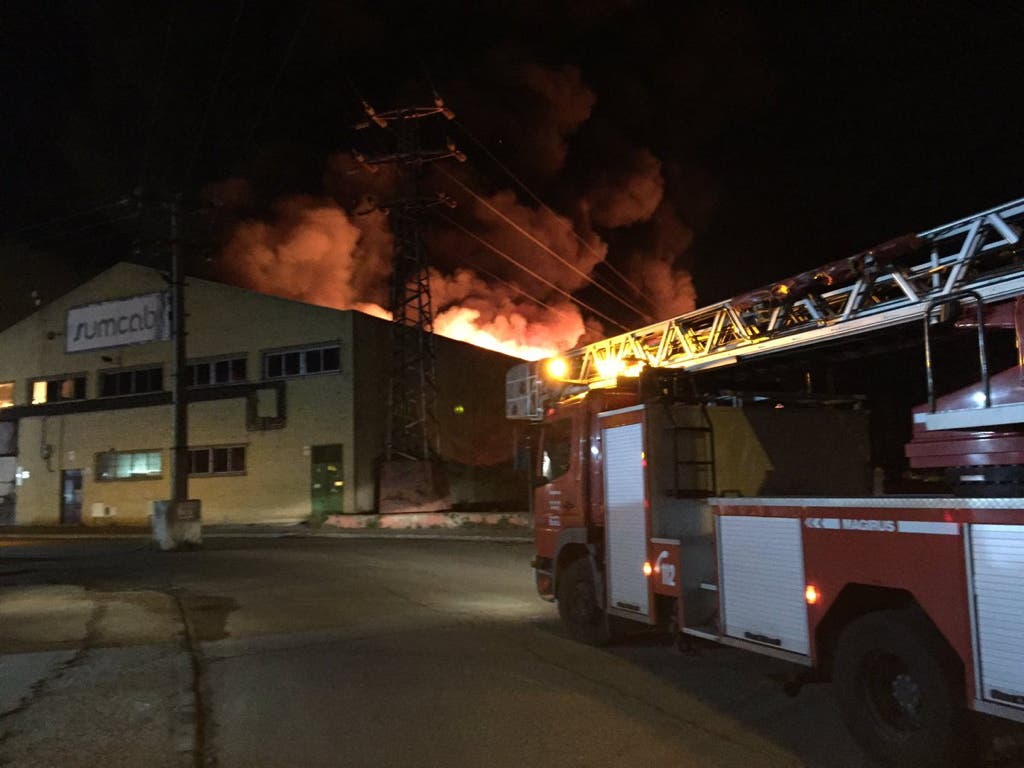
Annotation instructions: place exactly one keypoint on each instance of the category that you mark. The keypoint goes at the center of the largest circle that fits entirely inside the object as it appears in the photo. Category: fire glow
(533, 260)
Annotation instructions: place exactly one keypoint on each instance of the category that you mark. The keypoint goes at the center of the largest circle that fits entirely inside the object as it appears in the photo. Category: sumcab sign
(119, 323)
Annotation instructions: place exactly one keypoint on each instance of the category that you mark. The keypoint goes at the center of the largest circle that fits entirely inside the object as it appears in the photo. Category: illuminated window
(217, 460)
(7, 394)
(206, 373)
(57, 389)
(136, 381)
(128, 465)
(302, 362)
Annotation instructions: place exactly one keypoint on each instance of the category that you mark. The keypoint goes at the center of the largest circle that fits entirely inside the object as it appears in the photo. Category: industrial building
(287, 407)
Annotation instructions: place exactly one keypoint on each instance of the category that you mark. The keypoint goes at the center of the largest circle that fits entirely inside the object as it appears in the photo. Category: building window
(6, 394)
(218, 460)
(206, 373)
(302, 362)
(133, 382)
(54, 390)
(128, 465)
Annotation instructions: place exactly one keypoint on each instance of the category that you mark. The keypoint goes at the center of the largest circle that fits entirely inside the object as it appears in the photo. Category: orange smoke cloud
(336, 251)
(618, 200)
(496, 317)
(314, 251)
(564, 105)
(546, 233)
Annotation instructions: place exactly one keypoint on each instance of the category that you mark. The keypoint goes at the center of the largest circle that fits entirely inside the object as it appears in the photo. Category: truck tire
(898, 691)
(578, 606)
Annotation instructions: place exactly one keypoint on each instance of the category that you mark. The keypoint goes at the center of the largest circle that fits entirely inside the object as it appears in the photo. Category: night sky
(723, 140)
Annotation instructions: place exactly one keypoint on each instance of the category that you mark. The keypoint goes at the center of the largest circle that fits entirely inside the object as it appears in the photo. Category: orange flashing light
(812, 595)
(648, 569)
(557, 368)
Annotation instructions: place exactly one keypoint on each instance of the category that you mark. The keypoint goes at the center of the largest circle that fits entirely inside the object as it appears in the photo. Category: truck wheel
(897, 691)
(578, 606)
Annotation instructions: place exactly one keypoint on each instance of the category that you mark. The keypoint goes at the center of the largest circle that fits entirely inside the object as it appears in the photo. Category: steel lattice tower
(412, 393)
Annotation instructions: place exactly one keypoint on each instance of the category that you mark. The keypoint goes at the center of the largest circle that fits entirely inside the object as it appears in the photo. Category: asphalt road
(328, 652)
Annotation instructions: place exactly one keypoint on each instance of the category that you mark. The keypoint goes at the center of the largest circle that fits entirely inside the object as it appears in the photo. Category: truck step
(705, 633)
(695, 493)
(708, 586)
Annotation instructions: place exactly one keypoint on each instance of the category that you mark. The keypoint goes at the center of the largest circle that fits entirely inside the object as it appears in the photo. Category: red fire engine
(675, 489)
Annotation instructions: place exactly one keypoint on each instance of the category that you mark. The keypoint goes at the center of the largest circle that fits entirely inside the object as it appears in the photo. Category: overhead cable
(494, 249)
(200, 134)
(544, 247)
(554, 214)
(497, 278)
(277, 77)
(63, 219)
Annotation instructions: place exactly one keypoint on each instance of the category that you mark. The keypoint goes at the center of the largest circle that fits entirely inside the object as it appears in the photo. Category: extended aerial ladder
(978, 258)
(759, 519)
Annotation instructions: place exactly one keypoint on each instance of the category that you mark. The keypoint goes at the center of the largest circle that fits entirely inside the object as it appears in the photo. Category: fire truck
(716, 475)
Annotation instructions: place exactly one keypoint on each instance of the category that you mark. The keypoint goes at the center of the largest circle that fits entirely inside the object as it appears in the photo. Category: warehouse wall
(475, 437)
(222, 321)
(347, 407)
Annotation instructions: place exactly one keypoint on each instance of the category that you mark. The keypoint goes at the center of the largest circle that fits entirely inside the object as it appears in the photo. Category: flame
(311, 248)
(461, 324)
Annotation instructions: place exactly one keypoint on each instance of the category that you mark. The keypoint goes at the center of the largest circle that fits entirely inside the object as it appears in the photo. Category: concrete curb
(428, 535)
(433, 520)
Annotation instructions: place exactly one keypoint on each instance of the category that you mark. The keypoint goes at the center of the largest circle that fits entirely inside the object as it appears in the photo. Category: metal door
(998, 574)
(761, 581)
(625, 518)
(71, 497)
(8, 470)
(326, 481)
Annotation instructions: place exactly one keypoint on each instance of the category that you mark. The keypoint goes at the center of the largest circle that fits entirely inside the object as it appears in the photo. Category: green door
(326, 483)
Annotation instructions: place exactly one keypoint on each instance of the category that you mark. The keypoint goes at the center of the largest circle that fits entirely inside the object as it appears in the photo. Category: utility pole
(177, 520)
(412, 393)
(179, 398)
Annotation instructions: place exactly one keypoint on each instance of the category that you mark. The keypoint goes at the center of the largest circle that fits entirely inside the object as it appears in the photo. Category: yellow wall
(225, 321)
(349, 407)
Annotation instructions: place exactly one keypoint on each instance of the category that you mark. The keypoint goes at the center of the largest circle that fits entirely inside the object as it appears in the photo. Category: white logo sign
(136, 320)
(836, 524)
(667, 570)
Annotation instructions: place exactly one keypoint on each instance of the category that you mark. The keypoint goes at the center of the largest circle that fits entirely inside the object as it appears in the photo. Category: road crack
(41, 687)
(202, 756)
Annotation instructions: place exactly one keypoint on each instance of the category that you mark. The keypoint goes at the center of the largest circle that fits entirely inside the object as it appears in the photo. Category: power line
(159, 100)
(213, 95)
(547, 249)
(497, 278)
(494, 249)
(277, 77)
(62, 219)
(80, 230)
(554, 214)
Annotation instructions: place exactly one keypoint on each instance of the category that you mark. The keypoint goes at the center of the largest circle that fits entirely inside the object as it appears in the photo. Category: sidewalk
(509, 527)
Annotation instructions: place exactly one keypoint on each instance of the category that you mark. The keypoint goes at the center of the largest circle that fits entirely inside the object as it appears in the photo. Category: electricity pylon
(412, 393)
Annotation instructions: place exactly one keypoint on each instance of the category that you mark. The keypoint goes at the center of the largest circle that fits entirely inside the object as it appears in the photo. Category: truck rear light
(648, 569)
(812, 595)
